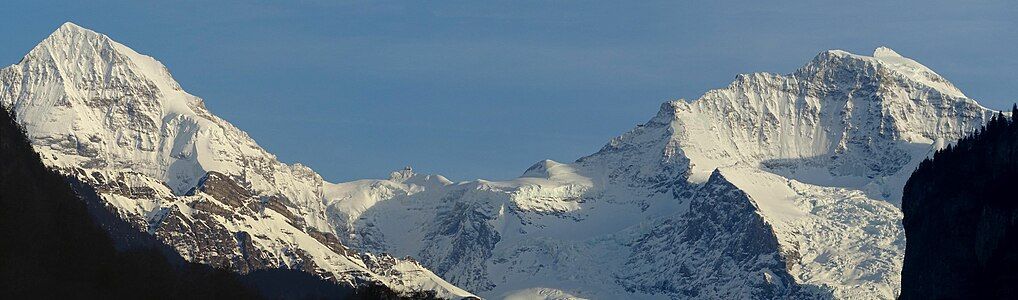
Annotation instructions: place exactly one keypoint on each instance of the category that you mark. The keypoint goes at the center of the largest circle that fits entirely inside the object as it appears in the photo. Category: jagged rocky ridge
(961, 218)
(775, 186)
(115, 120)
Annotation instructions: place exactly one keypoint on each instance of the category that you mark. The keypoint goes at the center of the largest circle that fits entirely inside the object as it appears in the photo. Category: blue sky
(357, 89)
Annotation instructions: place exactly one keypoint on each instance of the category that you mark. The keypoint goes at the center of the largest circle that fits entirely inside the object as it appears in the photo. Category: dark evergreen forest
(961, 218)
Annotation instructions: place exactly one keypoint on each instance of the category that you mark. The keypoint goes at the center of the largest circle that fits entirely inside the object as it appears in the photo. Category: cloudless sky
(356, 89)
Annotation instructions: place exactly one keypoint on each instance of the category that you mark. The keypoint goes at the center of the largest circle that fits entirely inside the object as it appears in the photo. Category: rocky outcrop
(722, 248)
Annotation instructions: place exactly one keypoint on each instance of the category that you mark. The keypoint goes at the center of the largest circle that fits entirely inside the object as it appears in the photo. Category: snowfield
(776, 186)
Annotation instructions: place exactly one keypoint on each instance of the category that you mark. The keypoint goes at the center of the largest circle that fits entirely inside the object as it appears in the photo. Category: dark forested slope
(55, 244)
(52, 248)
(961, 219)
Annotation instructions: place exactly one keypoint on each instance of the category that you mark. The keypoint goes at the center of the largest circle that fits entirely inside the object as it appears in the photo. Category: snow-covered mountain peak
(840, 110)
(70, 33)
(816, 150)
(400, 175)
(116, 119)
(887, 64)
(408, 176)
(72, 48)
(87, 63)
(116, 108)
(543, 169)
(788, 182)
(885, 52)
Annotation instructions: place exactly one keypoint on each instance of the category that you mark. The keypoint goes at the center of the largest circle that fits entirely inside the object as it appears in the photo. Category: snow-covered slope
(776, 186)
(100, 111)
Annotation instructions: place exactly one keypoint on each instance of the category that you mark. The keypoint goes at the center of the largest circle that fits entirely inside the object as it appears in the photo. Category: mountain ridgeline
(775, 186)
(961, 218)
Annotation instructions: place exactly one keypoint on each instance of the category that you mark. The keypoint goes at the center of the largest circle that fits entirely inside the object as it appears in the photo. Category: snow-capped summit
(408, 176)
(112, 103)
(885, 52)
(887, 60)
(788, 181)
(116, 119)
(775, 186)
(85, 57)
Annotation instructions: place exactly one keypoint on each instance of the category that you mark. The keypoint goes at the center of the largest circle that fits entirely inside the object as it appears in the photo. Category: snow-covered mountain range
(777, 186)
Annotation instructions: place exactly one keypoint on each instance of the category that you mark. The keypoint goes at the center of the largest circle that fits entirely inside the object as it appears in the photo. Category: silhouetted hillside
(56, 244)
(961, 218)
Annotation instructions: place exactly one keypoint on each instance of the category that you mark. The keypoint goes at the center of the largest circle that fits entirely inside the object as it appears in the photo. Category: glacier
(776, 186)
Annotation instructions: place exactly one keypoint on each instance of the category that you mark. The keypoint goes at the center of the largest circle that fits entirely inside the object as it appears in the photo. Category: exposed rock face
(722, 238)
(116, 120)
(961, 219)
